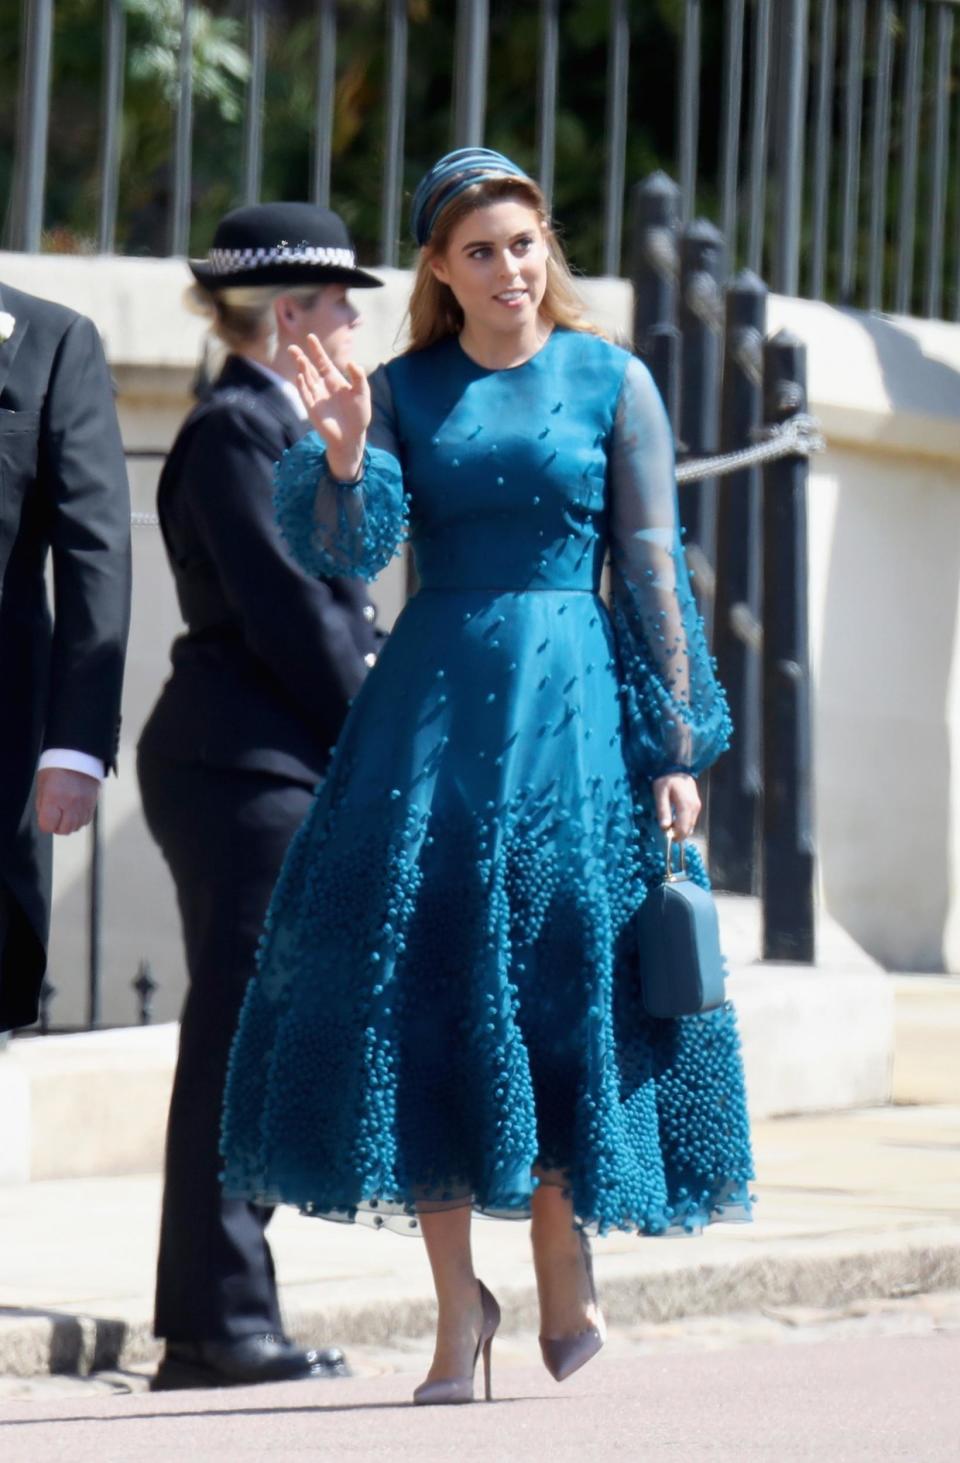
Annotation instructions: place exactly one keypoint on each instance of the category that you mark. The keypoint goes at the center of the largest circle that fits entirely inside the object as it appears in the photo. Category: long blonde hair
(434, 312)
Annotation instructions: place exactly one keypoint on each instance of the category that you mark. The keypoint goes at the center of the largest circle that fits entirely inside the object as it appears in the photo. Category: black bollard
(700, 319)
(735, 782)
(653, 258)
(787, 861)
(663, 359)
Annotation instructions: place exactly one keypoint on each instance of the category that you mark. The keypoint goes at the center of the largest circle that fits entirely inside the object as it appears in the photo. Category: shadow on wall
(885, 760)
(916, 382)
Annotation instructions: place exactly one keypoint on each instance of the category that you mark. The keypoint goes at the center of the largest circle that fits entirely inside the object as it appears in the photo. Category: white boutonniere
(7, 326)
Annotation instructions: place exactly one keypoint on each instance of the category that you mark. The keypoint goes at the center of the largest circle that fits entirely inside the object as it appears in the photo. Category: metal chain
(800, 436)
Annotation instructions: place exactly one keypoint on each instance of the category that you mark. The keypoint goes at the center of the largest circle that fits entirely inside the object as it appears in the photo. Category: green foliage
(221, 68)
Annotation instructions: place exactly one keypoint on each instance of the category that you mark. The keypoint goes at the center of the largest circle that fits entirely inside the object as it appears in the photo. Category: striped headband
(451, 176)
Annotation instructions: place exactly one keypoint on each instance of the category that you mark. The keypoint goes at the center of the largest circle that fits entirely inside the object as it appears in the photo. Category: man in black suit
(229, 759)
(63, 490)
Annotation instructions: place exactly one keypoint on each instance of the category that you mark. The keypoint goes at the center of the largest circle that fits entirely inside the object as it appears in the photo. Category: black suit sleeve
(293, 623)
(84, 476)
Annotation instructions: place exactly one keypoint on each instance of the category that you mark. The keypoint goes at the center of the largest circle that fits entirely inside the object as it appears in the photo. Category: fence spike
(145, 986)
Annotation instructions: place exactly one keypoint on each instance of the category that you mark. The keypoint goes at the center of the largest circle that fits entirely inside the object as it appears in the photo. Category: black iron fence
(143, 984)
(731, 393)
(821, 133)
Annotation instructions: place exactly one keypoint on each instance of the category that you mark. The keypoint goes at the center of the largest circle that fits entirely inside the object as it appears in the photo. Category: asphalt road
(878, 1383)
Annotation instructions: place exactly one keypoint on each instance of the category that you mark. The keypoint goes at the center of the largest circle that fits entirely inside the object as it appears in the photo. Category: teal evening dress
(448, 1004)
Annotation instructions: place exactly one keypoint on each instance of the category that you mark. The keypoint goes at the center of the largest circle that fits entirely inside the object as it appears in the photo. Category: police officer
(261, 682)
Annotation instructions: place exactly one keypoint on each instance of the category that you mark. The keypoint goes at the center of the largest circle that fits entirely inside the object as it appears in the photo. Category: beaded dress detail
(448, 1003)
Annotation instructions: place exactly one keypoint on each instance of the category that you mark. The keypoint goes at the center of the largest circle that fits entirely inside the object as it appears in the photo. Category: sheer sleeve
(676, 713)
(333, 528)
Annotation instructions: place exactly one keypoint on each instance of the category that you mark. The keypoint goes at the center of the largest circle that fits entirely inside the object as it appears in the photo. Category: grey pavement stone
(849, 1399)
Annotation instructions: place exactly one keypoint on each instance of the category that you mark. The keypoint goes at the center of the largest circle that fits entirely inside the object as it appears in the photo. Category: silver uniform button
(370, 659)
(369, 614)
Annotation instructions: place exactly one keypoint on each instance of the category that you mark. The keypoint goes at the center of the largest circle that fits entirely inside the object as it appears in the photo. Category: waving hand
(338, 404)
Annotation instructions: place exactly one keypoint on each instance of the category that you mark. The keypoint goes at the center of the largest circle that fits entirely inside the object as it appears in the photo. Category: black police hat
(281, 243)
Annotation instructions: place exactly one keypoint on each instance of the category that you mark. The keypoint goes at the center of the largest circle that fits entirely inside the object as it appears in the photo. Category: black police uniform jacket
(264, 675)
(63, 491)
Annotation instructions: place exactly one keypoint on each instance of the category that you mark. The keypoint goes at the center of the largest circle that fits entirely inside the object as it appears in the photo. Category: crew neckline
(505, 370)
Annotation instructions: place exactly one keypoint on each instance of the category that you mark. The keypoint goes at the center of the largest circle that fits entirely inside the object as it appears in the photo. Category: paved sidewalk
(849, 1399)
(850, 1205)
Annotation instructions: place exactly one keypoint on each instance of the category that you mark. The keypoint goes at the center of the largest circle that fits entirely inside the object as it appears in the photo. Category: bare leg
(566, 1302)
(446, 1233)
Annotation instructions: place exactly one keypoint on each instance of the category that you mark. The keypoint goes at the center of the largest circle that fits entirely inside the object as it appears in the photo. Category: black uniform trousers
(223, 833)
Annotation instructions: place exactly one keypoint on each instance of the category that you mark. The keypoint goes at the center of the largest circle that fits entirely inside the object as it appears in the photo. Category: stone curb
(55, 1342)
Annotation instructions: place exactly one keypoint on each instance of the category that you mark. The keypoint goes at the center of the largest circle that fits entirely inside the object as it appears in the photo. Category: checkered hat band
(234, 261)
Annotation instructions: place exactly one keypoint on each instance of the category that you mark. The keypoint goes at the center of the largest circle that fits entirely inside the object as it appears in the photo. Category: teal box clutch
(681, 965)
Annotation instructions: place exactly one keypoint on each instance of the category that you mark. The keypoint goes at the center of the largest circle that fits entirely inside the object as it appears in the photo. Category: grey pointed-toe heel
(564, 1355)
(451, 1390)
(567, 1354)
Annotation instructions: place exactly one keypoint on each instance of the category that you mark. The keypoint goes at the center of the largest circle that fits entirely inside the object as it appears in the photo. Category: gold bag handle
(671, 876)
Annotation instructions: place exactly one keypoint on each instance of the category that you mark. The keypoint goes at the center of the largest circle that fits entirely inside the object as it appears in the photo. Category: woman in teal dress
(448, 1011)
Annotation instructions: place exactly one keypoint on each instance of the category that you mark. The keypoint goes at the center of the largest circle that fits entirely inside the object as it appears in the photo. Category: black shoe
(264, 1358)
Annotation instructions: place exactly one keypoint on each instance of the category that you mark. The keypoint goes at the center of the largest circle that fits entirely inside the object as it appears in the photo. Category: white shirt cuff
(72, 762)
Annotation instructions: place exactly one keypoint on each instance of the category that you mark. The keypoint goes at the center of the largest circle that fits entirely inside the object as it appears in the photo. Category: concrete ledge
(91, 1103)
(821, 1273)
(139, 308)
(926, 1065)
(33, 1345)
(814, 1040)
(17, 1124)
(137, 304)
(890, 383)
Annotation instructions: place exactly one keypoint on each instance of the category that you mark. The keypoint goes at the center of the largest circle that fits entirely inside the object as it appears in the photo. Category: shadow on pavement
(399, 1406)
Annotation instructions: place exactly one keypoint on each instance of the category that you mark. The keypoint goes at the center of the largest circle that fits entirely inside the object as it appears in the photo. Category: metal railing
(143, 984)
(819, 131)
(738, 406)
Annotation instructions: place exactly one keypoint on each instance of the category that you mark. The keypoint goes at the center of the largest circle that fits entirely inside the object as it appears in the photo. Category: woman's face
(332, 317)
(495, 263)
